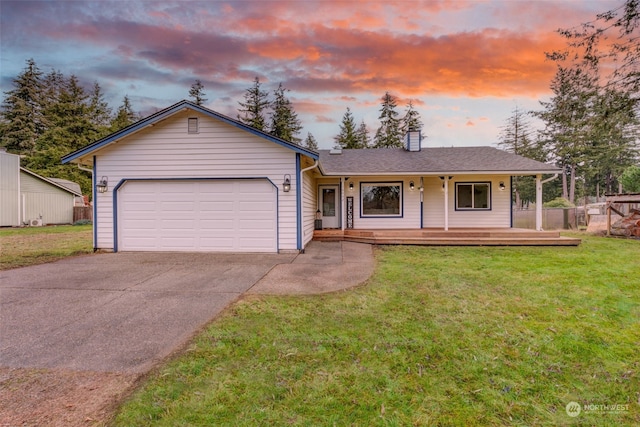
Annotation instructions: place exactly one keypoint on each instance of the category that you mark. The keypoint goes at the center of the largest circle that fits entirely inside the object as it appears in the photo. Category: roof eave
(438, 173)
(48, 181)
(76, 156)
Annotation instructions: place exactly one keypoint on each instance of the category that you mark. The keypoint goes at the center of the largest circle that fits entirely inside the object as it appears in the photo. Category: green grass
(21, 247)
(437, 336)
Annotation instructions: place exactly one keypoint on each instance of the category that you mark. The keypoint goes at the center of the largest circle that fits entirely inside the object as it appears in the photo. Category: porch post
(538, 202)
(342, 204)
(445, 182)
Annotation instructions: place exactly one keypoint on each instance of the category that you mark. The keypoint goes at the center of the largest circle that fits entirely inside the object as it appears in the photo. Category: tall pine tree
(22, 115)
(348, 137)
(389, 134)
(284, 120)
(517, 136)
(362, 136)
(256, 102)
(411, 120)
(125, 116)
(99, 110)
(197, 93)
(310, 142)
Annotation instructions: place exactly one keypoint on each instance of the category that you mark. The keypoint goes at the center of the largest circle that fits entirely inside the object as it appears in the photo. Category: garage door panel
(208, 215)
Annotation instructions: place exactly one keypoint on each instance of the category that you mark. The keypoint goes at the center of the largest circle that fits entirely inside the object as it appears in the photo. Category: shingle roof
(386, 161)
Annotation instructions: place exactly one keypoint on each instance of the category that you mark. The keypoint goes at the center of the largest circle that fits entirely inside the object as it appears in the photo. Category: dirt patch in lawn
(51, 397)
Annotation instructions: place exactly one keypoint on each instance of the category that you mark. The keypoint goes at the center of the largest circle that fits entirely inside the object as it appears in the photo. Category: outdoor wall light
(412, 185)
(502, 186)
(102, 185)
(351, 186)
(286, 185)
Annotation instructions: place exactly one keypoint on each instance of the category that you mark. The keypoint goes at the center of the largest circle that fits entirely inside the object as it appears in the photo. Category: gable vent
(193, 125)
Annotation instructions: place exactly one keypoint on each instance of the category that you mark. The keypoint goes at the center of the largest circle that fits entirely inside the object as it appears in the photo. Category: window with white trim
(381, 199)
(473, 196)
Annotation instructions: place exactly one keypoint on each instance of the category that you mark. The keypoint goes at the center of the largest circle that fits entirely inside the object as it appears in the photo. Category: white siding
(9, 189)
(41, 198)
(166, 150)
(410, 204)
(309, 206)
(498, 216)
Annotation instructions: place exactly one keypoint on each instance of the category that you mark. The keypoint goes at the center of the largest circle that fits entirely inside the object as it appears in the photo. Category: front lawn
(437, 336)
(20, 247)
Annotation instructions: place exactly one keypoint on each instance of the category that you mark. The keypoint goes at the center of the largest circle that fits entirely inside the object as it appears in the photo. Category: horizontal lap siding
(219, 150)
(309, 206)
(498, 216)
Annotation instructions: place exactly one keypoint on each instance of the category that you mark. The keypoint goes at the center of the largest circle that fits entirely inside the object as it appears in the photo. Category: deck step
(455, 237)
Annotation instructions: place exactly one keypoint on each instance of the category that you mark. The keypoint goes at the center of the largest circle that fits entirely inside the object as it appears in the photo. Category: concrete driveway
(117, 312)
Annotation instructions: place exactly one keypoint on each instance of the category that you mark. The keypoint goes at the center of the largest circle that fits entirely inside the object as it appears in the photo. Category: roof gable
(429, 161)
(52, 181)
(170, 111)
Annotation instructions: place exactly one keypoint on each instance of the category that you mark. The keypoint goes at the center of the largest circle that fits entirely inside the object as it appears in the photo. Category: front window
(473, 196)
(381, 199)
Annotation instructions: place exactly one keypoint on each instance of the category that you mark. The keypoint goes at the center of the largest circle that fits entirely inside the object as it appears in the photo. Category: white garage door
(198, 216)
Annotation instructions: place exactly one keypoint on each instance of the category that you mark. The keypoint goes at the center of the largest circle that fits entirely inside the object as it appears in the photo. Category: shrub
(559, 202)
(630, 179)
(83, 222)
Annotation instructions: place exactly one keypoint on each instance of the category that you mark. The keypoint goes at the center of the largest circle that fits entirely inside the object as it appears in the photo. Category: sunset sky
(465, 64)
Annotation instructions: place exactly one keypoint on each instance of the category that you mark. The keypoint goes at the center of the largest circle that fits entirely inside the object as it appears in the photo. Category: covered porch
(450, 237)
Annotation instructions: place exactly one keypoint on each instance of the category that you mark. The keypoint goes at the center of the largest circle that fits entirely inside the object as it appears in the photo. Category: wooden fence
(82, 213)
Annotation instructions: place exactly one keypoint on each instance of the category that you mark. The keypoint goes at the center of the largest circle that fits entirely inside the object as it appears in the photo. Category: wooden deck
(451, 237)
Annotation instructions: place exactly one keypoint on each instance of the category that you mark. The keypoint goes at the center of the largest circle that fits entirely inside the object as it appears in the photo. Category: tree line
(279, 118)
(591, 122)
(46, 116)
(590, 131)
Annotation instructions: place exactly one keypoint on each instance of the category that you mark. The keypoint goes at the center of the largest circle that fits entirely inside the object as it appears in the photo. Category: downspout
(549, 179)
(93, 200)
(302, 171)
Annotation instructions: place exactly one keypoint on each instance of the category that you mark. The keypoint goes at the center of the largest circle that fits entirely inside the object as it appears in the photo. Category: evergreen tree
(125, 116)
(252, 110)
(518, 137)
(197, 93)
(70, 127)
(284, 120)
(348, 137)
(362, 136)
(610, 43)
(311, 142)
(22, 115)
(613, 143)
(411, 120)
(389, 133)
(631, 179)
(567, 117)
(99, 110)
(607, 48)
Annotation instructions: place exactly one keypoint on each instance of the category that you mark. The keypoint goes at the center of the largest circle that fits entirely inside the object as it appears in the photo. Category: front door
(330, 206)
